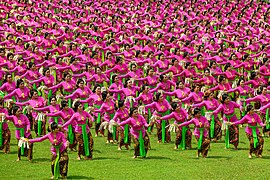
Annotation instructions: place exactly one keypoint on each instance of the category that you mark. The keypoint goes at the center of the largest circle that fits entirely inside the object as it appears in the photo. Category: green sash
(21, 135)
(2, 94)
(56, 119)
(69, 99)
(126, 132)
(163, 127)
(149, 116)
(85, 104)
(1, 137)
(201, 138)
(35, 87)
(39, 127)
(70, 134)
(267, 119)
(102, 55)
(99, 115)
(227, 136)
(203, 110)
(212, 125)
(56, 169)
(244, 105)
(85, 139)
(183, 142)
(49, 96)
(141, 141)
(254, 134)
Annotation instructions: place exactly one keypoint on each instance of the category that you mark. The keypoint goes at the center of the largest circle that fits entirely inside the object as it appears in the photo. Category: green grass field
(163, 162)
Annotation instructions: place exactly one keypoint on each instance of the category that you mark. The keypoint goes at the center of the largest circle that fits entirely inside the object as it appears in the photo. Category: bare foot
(18, 159)
(52, 177)
(79, 158)
(134, 157)
(175, 147)
(259, 156)
(119, 148)
(96, 135)
(249, 156)
(107, 142)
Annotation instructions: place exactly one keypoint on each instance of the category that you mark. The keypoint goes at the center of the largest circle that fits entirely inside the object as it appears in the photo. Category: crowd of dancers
(127, 66)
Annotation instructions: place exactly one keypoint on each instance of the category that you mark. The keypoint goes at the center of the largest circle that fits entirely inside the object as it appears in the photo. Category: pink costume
(107, 108)
(199, 123)
(21, 122)
(4, 124)
(228, 110)
(179, 117)
(35, 103)
(48, 81)
(263, 99)
(80, 93)
(121, 115)
(194, 98)
(8, 87)
(159, 107)
(21, 95)
(56, 140)
(81, 119)
(209, 104)
(51, 109)
(137, 125)
(68, 86)
(179, 93)
(252, 120)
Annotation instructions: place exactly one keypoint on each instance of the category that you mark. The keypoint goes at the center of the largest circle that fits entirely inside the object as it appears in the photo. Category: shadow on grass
(41, 160)
(104, 158)
(13, 152)
(79, 177)
(243, 149)
(98, 151)
(219, 157)
(157, 157)
(266, 157)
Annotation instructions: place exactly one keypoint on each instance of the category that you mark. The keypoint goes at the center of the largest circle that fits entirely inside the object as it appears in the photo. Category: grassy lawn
(162, 162)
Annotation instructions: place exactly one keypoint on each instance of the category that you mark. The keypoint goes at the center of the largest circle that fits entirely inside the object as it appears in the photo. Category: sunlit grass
(162, 162)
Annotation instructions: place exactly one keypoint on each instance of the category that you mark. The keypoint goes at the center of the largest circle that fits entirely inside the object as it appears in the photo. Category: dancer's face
(53, 101)
(98, 90)
(9, 78)
(35, 95)
(18, 112)
(81, 84)
(264, 91)
(47, 73)
(21, 85)
(80, 108)
(135, 113)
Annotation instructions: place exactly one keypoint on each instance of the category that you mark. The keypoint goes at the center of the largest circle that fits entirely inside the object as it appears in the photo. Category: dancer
(22, 124)
(4, 129)
(82, 130)
(139, 135)
(201, 132)
(227, 108)
(183, 134)
(253, 134)
(59, 165)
